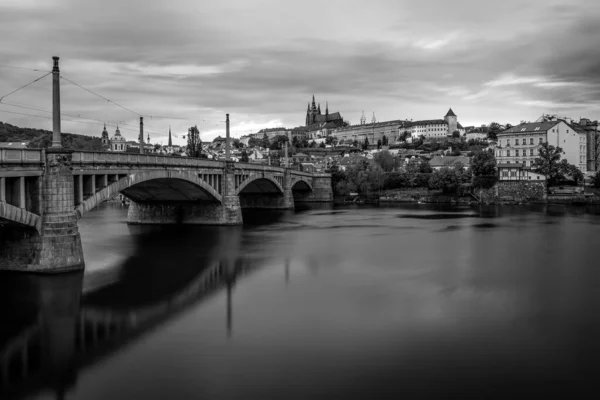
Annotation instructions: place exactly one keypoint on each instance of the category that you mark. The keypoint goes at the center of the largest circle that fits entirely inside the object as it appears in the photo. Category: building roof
(427, 122)
(218, 139)
(450, 113)
(438, 161)
(531, 127)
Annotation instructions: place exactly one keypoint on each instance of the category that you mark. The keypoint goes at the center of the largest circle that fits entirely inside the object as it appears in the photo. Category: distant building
(105, 139)
(13, 145)
(520, 144)
(477, 133)
(438, 162)
(373, 132)
(517, 172)
(314, 116)
(435, 128)
(117, 142)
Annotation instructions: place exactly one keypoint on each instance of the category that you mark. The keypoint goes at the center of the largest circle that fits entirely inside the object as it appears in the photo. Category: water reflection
(50, 330)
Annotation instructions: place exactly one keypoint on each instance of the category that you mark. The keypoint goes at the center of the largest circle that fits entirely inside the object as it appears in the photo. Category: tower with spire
(363, 119)
(170, 139)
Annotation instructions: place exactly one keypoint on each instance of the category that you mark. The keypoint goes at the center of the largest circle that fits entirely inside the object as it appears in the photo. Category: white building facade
(520, 144)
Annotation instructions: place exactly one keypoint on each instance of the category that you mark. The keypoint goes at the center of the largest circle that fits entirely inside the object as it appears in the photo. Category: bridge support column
(322, 191)
(56, 246)
(3, 189)
(288, 195)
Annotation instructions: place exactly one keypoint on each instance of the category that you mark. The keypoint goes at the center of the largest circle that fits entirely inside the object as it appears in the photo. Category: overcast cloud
(262, 60)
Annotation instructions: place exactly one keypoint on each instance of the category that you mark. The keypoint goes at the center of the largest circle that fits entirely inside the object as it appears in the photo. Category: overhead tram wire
(23, 68)
(78, 116)
(70, 120)
(102, 97)
(24, 86)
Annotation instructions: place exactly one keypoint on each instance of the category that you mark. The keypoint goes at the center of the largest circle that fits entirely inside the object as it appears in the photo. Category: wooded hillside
(41, 138)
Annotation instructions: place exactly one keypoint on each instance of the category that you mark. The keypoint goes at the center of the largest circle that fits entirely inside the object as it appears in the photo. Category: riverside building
(520, 144)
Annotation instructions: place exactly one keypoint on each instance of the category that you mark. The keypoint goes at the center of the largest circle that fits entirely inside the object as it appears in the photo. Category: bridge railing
(257, 167)
(21, 156)
(109, 158)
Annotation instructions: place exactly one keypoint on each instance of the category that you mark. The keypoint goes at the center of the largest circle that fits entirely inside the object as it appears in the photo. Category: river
(419, 301)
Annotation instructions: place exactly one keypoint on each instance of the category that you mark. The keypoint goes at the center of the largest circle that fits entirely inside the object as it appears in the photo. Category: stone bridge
(44, 192)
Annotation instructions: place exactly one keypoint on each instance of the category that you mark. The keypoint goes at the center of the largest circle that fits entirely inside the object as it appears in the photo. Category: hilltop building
(435, 128)
(320, 125)
(373, 132)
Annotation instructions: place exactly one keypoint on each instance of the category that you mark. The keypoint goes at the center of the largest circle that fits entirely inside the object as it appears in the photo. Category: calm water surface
(414, 301)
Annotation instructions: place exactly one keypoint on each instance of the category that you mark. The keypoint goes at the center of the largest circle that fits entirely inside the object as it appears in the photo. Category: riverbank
(504, 195)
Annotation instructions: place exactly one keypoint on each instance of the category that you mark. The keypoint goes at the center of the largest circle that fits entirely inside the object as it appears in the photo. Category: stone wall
(514, 192)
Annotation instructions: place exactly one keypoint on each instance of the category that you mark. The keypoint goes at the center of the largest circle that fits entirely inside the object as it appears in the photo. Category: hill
(41, 138)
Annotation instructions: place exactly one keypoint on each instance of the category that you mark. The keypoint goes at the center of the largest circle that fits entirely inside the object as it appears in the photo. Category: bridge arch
(19, 216)
(260, 183)
(159, 176)
(301, 183)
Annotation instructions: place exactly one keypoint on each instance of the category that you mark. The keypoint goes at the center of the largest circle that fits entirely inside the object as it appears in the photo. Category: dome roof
(118, 136)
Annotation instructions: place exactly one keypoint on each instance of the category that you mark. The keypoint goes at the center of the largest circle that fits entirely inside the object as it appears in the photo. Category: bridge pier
(55, 246)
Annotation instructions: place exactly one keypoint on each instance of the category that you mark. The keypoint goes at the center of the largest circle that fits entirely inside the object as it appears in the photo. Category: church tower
(170, 140)
(105, 139)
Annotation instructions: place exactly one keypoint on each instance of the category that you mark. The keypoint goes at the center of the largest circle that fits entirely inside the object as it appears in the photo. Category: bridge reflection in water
(51, 328)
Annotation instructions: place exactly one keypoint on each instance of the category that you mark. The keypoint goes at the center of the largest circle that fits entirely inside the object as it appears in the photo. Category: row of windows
(523, 141)
(508, 153)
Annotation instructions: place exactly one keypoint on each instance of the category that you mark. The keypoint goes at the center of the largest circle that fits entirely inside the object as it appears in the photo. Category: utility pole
(142, 150)
(56, 136)
(227, 144)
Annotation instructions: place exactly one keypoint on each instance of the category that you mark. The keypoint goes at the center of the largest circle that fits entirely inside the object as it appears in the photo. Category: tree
(456, 135)
(446, 179)
(596, 179)
(194, 144)
(313, 144)
(483, 168)
(493, 130)
(253, 142)
(379, 143)
(329, 140)
(355, 143)
(547, 163)
(265, 141)
(245, 156)
(365, 143)
(384, 140)
(455, 152)
(570, 171)
(385, 160)
(295, 141)
(322, 145)
(425, 167)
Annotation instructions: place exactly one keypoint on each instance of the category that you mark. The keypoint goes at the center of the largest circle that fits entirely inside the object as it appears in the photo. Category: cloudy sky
(192, 61)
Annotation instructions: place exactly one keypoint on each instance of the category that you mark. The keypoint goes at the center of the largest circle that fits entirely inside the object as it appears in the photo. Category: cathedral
(314, 118)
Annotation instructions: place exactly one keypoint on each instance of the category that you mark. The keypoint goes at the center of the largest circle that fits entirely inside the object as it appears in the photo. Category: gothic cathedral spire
(170, 140)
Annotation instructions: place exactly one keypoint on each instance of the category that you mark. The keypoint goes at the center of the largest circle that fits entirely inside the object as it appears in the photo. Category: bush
(484, 181)
(394, 180)
(423, 179)
(596, 179)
